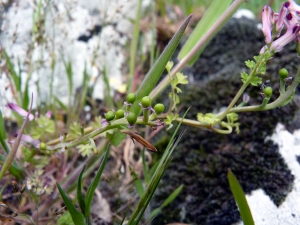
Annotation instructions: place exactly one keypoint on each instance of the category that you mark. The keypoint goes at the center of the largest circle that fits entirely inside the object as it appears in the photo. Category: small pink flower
(289, 36)
(280, 20)
(19, 110)
(267, 14)
(292, 6)
(49, 114)
(29, 140)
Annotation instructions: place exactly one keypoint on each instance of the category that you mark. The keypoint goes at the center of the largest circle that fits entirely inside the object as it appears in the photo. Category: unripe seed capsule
(146, 101)
(43, 146)
(283, 73)
(130, 98)
(268, 92)
(110, 115)
(131, 118)
(159, 108)
(120, 114)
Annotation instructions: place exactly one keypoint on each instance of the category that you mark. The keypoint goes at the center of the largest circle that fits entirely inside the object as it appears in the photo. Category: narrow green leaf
(155, 72)
(172, 196)
(14, 169)
(240, 199)
(2, 127)
(150, 189)
(125, 216)
(25, 100)
(212, 14)
(137, 183)
(3, 134)
(94, 184)
(14, 75)
(134, 44)
(77, 216)
(80, 196)
(170, 199)
(155, 212)
(145, 167)
(61, 105)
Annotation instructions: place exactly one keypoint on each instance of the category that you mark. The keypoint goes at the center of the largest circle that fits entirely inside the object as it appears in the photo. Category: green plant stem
(265, 102)
(282, 98)
(192, 123)
(224, 17)
(282, 86)
(242, 89)
(113, 124)
(10, 158)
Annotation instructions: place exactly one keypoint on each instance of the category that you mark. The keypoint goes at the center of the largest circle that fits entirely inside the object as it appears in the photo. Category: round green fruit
(283, 73)
(268, 91)
(110, 115)
(146, 101)
(131, 118)
(159, 108)
(43, 146)
(130, 98)
(120, 114)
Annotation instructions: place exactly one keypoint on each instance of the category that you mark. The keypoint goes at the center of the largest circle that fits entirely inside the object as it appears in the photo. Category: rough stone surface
(201, 160)
(91, 35)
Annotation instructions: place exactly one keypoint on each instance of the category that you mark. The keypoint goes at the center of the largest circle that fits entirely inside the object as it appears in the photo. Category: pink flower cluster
(273, 23)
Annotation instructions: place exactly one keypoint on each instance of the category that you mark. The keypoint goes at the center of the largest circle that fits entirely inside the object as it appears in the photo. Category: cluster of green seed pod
(131, 116)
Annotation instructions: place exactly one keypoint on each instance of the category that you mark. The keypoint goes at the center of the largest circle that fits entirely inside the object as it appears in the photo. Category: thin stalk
(242, 89)
(113, 124)
(10, 158)
(282, 98)
(134, 44)
(227, 14)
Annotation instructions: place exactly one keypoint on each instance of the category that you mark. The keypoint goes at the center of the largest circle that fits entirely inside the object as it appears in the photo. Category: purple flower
(29, 140)
(246, 98)
(280, 20)
(19, 110)
(49, 114)
(292, 6)
(289, 36)
(104, 123)
(267, 15)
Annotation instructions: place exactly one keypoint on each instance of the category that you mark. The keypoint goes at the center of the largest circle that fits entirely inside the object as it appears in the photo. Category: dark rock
(202, 159)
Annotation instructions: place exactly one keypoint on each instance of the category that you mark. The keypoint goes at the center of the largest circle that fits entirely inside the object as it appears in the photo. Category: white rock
(264, 211)
(65, 21)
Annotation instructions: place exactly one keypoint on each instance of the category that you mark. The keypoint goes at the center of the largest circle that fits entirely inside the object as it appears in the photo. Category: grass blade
(170, 199)
(137, 183)
(212, 14)
(14, 75)
(240, 199)
(155, 72)
(149, 191)
(94, 184)
(77, 216)
(3, 134)
(80, 197)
